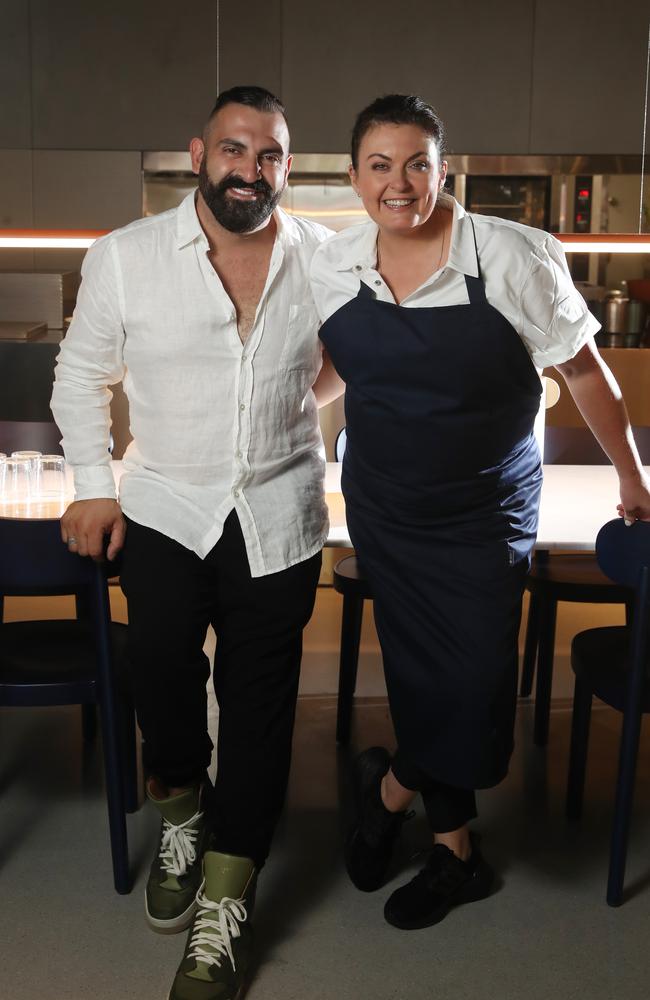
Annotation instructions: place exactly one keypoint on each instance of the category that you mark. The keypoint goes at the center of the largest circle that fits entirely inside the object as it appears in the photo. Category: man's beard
(234, 215)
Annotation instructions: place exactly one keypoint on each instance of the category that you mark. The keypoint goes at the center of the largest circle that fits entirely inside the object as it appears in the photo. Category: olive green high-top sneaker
(175, 876)
(219, 947)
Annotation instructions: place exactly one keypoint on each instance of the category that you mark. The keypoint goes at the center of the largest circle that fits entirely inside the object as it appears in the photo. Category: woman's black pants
(173, 595)
(447, 807)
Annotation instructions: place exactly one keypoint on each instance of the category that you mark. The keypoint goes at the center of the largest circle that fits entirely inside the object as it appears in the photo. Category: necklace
(442, 250)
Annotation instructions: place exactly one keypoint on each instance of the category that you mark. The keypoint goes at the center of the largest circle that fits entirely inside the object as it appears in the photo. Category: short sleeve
(556, 322)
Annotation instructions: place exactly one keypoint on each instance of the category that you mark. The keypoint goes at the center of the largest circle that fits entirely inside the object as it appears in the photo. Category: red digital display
(584, 193)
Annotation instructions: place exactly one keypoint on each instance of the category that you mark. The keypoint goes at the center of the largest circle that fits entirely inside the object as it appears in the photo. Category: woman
(438, 323)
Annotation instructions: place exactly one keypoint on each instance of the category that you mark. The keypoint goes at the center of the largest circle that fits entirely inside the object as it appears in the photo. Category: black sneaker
(370, 843)
(444, 882)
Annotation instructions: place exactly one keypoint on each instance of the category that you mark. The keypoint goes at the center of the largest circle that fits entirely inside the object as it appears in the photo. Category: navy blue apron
(441, 478)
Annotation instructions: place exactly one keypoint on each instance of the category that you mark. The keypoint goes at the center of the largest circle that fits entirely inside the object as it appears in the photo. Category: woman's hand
(635, 499)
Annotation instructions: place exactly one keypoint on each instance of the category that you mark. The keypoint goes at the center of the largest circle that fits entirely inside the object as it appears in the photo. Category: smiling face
(399, 175)
(243, 163)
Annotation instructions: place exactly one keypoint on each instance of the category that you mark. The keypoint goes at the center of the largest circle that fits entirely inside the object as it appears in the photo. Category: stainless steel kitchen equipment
(615, 319)
(559, 193)
(636, 321)
(43, 296)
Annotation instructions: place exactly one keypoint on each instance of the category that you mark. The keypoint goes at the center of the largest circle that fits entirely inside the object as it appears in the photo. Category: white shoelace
(178, 844)
(214, 927)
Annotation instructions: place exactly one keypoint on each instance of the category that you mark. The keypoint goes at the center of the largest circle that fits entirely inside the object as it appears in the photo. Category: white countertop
(576, 501)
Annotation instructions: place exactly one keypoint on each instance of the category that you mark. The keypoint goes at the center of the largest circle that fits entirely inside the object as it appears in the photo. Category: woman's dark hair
(253, 97)
(398, 109)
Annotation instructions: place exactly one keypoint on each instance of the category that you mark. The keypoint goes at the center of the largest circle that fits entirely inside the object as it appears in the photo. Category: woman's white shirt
(524, 270)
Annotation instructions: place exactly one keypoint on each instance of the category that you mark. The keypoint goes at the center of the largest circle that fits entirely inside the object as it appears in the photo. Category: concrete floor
(546, 932)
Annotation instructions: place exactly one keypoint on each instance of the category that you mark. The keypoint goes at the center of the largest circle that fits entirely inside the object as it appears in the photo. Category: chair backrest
(623, 551)
(33, 559)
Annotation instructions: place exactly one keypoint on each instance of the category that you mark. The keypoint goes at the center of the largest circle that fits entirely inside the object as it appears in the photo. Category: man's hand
(86, 522)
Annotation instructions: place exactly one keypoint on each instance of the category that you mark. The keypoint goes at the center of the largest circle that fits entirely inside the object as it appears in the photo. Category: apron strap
(475, 286)
(365, 292)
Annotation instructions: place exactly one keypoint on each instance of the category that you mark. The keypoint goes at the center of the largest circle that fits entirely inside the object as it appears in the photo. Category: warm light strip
(45, 242)
(80, 239)
(43, 239)
(589, 246)
(605, 242)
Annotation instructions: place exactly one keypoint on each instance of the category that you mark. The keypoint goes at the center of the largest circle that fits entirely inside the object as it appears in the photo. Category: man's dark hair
(398, 109)
(252, 97)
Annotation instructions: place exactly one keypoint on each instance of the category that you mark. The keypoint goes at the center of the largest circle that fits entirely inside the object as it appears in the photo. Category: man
(206, 313)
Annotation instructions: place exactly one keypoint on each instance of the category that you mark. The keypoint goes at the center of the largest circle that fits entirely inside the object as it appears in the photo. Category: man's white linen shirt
(217, 425)
(524, 270)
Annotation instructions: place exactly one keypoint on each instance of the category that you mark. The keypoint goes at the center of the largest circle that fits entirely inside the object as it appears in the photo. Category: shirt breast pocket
(301, 351)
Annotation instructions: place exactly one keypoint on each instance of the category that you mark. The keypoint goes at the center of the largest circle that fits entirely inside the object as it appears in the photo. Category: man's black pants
(173, 595)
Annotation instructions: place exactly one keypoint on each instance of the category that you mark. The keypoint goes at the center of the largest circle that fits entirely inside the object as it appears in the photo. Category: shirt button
(235, 493)
(238, 454)
(244, 357)
(357, 267)
(241, 406)
(378, 282)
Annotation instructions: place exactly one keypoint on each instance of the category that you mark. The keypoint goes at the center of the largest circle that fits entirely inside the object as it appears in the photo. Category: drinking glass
(49, 481)
(29, 456)
(18, 476)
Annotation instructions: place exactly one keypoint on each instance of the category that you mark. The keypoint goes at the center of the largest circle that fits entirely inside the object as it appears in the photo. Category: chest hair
(243, 276)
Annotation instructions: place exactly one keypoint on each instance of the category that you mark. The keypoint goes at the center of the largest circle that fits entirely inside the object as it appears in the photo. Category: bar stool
(571, 577)
(350, 582)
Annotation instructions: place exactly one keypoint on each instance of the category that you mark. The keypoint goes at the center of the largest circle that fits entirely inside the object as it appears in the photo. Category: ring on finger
(71, 541)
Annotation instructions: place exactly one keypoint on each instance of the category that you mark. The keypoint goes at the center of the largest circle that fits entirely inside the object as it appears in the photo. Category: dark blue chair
(613, 663)
(44, 436)
(70, 662)
(573, 577)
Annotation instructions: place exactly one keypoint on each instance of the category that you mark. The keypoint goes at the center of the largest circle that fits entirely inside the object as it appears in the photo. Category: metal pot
(615, 315)
(636, 315)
